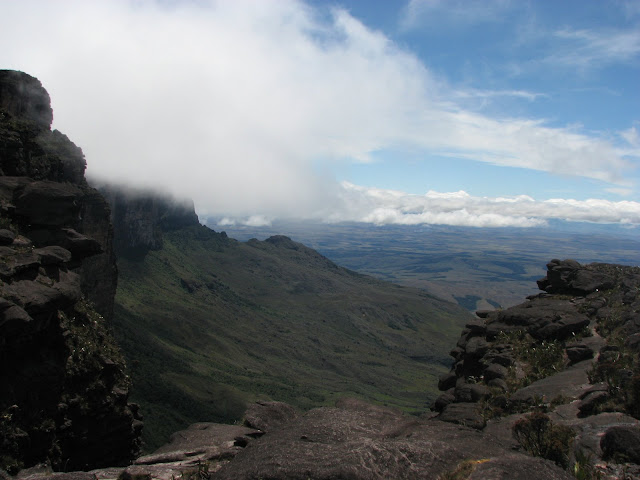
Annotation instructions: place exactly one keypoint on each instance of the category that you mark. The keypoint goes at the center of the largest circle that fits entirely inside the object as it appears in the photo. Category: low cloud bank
(390, 207)
(238, 108)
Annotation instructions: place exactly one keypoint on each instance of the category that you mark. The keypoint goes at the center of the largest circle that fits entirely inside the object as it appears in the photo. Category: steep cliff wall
(140, 216)
(64, 393)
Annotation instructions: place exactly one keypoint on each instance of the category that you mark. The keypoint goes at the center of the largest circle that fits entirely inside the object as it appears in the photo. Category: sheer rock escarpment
(64, 389)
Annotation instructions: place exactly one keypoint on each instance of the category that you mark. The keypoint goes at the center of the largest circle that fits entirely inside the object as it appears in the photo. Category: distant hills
(479, 268)
(208, 323)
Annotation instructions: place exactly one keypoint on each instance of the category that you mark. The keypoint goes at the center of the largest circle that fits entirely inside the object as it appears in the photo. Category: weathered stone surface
(512, 466)
(200, 438)
(571, 382)
(621, 444)
(579, 352)
(35, 297)
(495, 370)
(468, 414)
(266, 416)
(360, 441)
(476, 347)
(471, 392)
(64, 390)
(52, 255)
(49, 203)
(6, 236)
(447, 381)
(589, 403)
(443, 400)
(23, 96)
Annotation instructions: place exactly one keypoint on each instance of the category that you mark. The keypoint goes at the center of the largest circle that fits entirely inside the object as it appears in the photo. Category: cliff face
(139, 217)
(64, 393)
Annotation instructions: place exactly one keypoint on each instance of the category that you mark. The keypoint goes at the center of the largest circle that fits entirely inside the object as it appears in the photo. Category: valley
(479, 268)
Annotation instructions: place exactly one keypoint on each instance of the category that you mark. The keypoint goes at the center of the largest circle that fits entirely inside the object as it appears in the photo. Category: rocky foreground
(548, 389)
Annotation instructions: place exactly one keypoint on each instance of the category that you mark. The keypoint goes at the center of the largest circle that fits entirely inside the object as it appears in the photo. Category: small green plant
(583, 469)
(541, 438)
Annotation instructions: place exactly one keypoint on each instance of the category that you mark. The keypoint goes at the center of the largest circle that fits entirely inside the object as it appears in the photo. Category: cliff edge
(64, 390)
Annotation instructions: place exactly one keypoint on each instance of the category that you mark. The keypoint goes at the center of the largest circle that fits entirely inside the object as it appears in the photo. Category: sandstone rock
(476, 327)
(578, 353)
(498, 383)
(511, 466)
(64, 394)
(471, 392)
(23, 96)
(6, 236)
(36, 297)
(443, 400)
(267, 416)
(494, 371)
(447, 381)
(15, 263)
(476, 347)
(360, 441)
(52, 255)
(621, 444)
(49, 203)
(468, 414)
(591, 401)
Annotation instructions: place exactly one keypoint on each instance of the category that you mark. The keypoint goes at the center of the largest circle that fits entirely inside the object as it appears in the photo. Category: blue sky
(492, 113)
(569, 63)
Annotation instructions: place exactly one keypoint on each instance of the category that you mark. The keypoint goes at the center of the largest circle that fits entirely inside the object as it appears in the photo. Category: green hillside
(209, 323)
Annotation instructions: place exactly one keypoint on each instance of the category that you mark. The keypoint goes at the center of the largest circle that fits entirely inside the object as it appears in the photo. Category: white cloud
(236, 104)
(381, 207)
(392, 207)
(594, 49)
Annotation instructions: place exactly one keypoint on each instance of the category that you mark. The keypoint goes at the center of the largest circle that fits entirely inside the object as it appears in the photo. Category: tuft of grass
(539, 359)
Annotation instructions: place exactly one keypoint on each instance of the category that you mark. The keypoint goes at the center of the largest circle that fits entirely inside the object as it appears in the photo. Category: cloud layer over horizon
(245, 110)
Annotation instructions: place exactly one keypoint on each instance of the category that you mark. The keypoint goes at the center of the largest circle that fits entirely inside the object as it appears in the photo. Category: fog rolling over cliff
(208, 323)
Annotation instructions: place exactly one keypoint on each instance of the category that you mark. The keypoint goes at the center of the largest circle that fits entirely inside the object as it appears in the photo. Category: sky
(492, 113)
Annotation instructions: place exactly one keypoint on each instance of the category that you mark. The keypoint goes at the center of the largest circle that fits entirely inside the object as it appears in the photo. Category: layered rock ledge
(64, 389)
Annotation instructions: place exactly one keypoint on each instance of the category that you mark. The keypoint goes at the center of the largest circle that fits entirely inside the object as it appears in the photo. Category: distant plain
(479, 268)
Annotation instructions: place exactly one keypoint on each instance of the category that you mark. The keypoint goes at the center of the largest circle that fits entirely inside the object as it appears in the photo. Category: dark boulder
(447, 381)
(471, 392)
(579, 352)
(621, 444)
(468, 414)
(6, 237)
(495, 370)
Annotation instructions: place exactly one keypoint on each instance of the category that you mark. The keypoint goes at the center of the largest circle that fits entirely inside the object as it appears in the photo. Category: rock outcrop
(571, 352)
(64, 389)
(140, 216)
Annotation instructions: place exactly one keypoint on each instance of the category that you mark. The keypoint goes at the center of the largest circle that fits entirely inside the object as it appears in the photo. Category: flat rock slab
(266, 416)
(200, 436)
(569, 383)
(361, 441)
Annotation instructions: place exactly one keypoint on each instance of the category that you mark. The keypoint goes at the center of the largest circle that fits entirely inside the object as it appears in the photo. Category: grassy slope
(208, 323)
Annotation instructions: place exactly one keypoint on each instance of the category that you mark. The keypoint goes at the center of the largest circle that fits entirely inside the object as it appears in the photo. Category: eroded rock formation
(64, 389)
